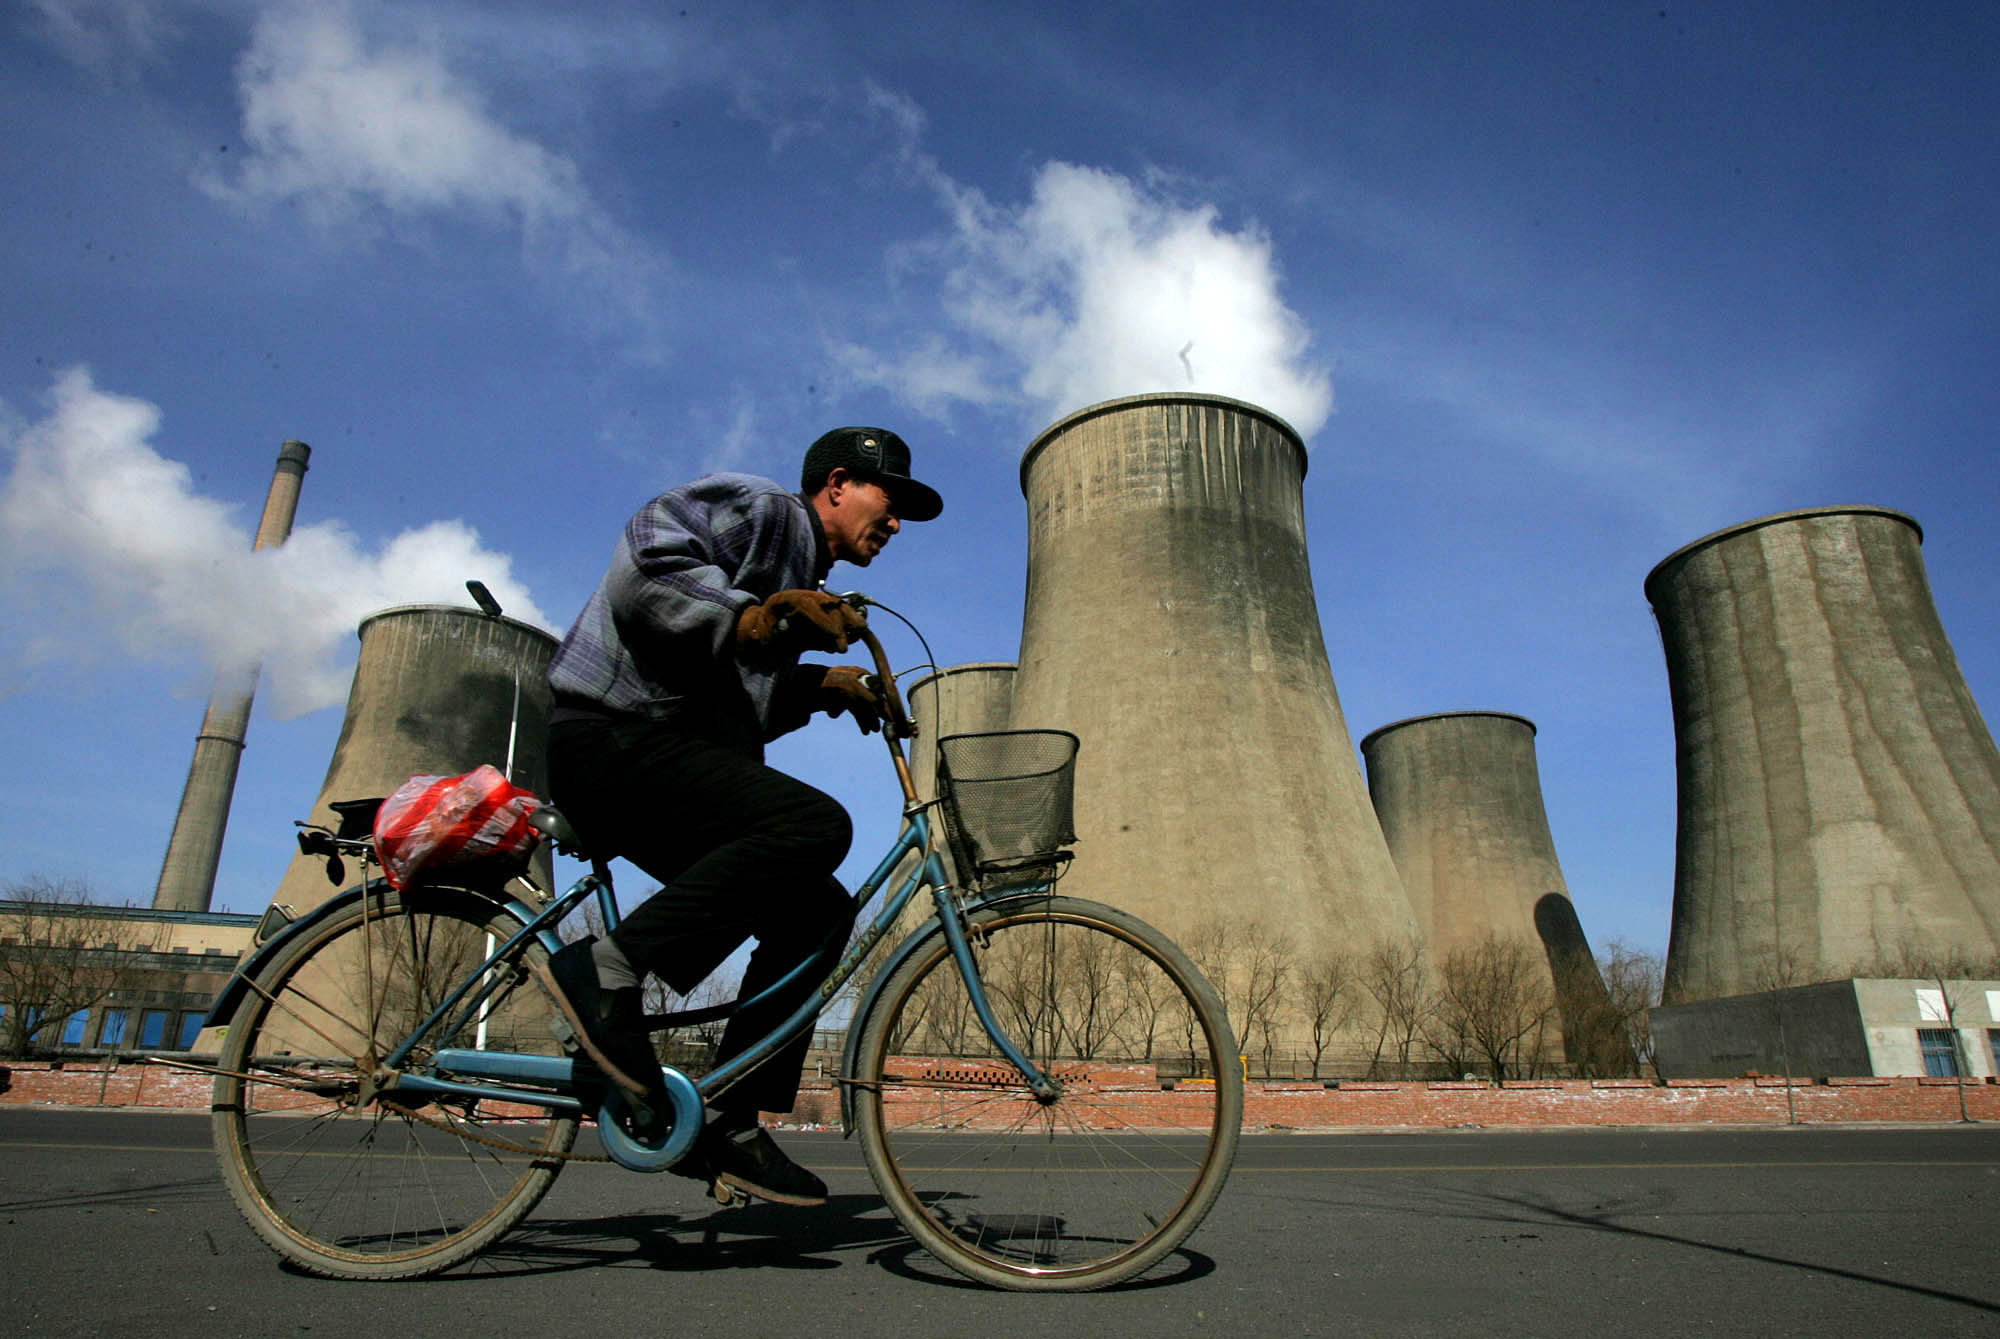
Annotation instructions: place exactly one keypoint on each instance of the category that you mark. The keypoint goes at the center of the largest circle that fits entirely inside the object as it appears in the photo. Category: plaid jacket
(657, 638)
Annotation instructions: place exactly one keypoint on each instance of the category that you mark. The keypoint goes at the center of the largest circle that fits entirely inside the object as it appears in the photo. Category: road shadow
(1593, 1222)
(1526, 1213)
(153, 1195)
(755, 1236)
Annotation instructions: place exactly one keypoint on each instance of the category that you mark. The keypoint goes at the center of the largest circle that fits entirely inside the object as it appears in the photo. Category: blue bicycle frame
(553, 1082)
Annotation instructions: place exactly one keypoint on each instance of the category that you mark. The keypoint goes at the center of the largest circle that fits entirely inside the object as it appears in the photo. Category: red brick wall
(1297, 1106)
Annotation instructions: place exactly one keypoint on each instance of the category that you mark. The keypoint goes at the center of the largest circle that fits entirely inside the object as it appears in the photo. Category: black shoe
(749, 1160)
(611, 1030)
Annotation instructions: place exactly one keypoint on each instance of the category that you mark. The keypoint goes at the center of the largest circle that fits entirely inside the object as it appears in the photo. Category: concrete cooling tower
(1459, 796)
(435, 692)
(960, 699)
(1460, 801)
(1170, 623)
(957, 700)
(1839, 791)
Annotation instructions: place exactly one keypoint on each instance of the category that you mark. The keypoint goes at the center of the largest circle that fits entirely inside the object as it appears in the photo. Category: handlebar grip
(894, 711)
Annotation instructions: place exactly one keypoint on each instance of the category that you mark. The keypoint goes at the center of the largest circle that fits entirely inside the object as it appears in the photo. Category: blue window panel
(190, 1029)
(1940, 1047)
(153, 1028)
(113, 1031)
(73, 1027)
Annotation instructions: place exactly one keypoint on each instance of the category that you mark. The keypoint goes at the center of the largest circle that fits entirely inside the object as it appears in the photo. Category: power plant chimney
(1170, 623)
(187, 875)
(1839, 791)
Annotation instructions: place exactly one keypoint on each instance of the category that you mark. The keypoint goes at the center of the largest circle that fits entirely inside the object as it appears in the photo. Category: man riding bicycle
(682, 666)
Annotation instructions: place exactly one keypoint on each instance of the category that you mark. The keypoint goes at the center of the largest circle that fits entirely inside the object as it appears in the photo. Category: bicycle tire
(1086, 1191)
(350, 1185)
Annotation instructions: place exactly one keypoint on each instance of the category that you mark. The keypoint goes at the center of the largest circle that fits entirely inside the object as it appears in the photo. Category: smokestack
(187, 875)
(1839, 791)
(438, 690)
(1170, 624)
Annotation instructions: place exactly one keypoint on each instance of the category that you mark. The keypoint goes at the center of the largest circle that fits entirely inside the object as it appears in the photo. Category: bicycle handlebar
(896, 723)
(895, 715)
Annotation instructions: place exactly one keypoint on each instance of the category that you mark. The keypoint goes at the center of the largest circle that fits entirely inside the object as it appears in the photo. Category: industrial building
(77, 978)
(1853, 1026)
(1839, 794)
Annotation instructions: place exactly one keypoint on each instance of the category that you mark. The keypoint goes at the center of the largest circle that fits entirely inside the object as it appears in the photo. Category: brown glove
(798, 620)
(848, 688)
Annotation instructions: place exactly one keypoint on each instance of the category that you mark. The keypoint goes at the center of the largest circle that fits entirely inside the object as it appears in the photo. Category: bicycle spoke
(1075, 1192)
(364, 1182)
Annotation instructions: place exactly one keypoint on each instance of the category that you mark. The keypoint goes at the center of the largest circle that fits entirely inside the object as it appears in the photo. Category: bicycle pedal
(725, 1196)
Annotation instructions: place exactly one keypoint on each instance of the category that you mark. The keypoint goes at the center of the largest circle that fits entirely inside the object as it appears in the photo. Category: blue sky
(1551, 290)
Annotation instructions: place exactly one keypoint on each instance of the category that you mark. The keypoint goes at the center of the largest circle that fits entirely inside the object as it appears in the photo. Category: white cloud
(358, 131)
(120, 552)
(1097, 286)
(109, 37)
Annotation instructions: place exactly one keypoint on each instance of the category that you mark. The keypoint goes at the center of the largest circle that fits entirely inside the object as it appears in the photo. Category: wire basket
(1008, 799)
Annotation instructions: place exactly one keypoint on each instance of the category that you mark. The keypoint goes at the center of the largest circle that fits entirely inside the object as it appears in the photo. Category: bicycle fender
(230, 997)
(851, 1049)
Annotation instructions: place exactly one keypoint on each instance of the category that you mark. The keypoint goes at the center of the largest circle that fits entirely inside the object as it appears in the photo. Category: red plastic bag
(454, 820)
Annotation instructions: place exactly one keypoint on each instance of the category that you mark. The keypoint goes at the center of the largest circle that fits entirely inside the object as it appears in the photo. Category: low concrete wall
(1281, 1106)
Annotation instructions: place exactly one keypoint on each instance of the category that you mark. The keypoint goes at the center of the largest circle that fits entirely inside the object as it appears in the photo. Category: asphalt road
(117, 1224)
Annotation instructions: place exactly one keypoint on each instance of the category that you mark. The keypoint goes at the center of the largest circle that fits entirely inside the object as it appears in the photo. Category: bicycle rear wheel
(1080, 1192)
(336, 1174)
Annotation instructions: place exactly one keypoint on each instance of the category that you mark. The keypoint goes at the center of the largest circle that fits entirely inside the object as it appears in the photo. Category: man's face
(862, 519)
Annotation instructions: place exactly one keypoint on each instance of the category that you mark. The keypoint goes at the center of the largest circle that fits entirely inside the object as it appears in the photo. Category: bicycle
(397, 1088)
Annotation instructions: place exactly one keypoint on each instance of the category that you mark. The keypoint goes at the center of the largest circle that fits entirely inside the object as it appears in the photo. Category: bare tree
(1251, 965)
(1493, 997)
(1781, 970)
(1327, 995)
(1633, 979)
(60, 956)
(1149, 998)
(1913, 960)
(1211, 946)
(1397, 977)
(1268, 960)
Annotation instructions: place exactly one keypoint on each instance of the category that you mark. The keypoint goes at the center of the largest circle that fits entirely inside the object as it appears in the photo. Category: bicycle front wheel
(1078, 1192)
(341, 1177)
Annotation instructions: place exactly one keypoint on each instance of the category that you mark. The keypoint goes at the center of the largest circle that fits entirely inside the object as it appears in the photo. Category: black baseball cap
(875, 454)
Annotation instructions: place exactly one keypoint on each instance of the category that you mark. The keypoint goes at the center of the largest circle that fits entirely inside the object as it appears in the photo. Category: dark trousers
(740, 850)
